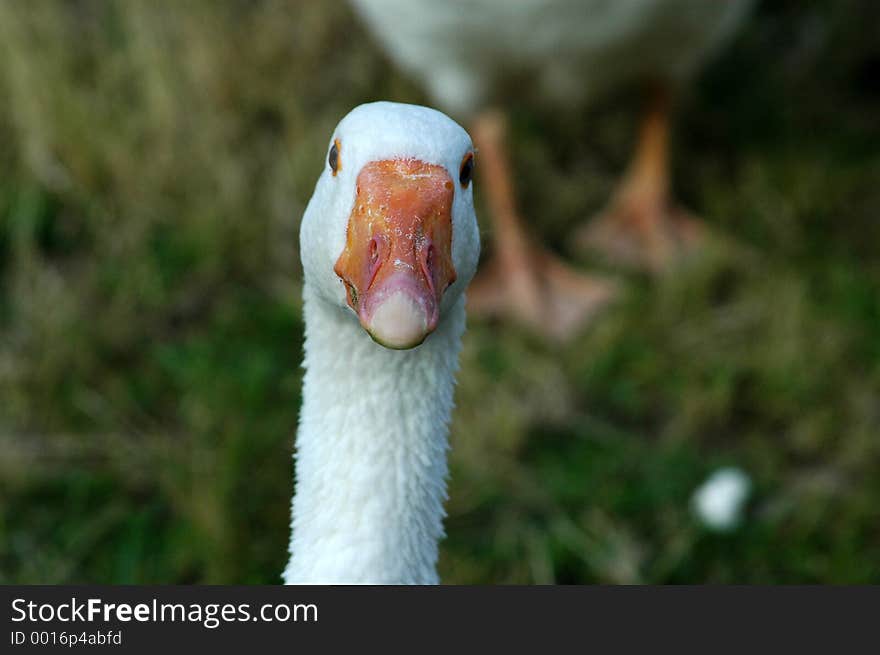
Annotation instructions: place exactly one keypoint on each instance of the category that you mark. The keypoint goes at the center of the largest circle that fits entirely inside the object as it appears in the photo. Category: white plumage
(371, 447)
(572, 49)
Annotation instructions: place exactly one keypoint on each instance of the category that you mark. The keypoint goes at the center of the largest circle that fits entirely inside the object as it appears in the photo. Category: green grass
(156, 160)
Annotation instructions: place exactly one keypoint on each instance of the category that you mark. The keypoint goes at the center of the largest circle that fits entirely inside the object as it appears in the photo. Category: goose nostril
(374, 250)
(352, 295)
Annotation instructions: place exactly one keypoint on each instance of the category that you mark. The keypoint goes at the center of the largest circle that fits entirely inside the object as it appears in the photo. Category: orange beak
(397, 260)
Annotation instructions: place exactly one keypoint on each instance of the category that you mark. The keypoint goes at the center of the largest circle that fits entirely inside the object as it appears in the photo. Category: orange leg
(641, 227)
(523, 281)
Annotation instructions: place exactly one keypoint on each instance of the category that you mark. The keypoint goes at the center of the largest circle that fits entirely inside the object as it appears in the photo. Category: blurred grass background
(155, 159)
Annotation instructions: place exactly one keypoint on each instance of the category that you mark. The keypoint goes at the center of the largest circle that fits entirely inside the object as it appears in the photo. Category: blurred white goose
(572, 51)
(389, 241)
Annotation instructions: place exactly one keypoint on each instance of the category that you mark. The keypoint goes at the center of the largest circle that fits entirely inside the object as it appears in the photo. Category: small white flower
(718, 502)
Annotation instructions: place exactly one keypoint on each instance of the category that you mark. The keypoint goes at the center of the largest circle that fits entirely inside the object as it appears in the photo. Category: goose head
(390, 234)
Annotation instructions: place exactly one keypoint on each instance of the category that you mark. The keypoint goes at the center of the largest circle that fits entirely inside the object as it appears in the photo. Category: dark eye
(333, 157)
(467, 169)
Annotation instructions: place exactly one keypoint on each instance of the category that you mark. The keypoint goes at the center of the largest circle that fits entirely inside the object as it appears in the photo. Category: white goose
(570, 52)
(389, 241)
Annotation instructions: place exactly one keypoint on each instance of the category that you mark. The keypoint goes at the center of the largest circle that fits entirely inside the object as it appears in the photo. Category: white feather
(373, 434)
(571, 49)
(719, 501)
